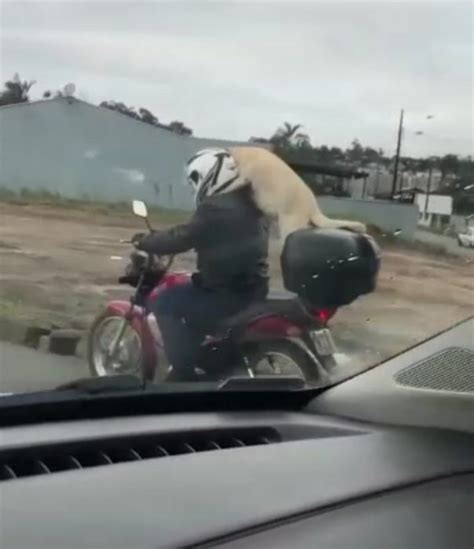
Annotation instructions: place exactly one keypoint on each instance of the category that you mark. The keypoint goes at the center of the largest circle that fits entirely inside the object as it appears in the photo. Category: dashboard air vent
(45, 460)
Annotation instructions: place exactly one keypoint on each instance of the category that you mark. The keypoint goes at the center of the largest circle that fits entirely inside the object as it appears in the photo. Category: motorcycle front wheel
(128, 357)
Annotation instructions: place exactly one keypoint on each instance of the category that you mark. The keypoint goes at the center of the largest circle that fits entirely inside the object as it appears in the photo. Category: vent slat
(43, 467)
(135, 454)
(10, 473)
(107, 459)
(238, 442)
(190, 448)
(74, 462)
(161, 451)
(96, 453)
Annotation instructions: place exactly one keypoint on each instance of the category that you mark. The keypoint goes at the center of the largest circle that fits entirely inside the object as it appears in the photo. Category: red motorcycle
(282, 336)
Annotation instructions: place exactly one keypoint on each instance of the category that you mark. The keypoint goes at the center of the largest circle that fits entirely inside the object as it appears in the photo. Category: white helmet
(211, 171)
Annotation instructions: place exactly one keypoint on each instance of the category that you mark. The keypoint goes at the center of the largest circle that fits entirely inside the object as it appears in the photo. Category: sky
(232, 70)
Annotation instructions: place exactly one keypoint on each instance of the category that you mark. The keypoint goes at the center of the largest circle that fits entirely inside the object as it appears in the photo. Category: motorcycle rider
(231, 237)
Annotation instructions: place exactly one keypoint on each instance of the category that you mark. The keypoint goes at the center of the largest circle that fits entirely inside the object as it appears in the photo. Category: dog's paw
(357, 227)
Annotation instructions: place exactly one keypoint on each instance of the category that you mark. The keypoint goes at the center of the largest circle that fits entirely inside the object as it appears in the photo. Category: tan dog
(280, 192)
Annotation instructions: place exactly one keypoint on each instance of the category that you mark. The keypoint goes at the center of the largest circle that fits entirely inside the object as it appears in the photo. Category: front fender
(139, 322)
(121, 307)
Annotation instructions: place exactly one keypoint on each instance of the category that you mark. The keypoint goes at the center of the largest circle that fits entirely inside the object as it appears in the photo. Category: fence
(388, 216)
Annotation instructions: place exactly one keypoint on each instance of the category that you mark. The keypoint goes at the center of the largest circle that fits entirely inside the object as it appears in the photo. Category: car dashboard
(326, 475)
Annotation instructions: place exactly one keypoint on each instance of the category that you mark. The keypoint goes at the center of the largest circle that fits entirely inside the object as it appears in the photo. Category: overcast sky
(237, 69)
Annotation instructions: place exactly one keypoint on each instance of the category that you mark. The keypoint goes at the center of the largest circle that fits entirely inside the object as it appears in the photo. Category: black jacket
(230, 236)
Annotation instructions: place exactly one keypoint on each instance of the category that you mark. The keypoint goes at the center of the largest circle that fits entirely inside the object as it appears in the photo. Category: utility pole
(428, 189)
(397, 155)
(377, 181)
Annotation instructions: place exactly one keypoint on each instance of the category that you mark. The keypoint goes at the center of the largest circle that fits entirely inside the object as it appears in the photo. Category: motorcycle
(278, 336)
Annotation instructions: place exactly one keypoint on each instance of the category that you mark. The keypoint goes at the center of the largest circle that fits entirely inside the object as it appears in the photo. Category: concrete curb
(63, 342)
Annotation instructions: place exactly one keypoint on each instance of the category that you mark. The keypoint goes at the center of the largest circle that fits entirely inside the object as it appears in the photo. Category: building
(434, 210)
(336, 180)
(82, 151)
(409, 179)
(379, 182)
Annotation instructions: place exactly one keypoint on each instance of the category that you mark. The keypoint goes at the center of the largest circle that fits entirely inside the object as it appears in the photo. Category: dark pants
(186, 314)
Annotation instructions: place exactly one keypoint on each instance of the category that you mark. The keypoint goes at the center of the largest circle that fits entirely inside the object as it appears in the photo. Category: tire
(97, 369)
(459, 242)
(305, 366)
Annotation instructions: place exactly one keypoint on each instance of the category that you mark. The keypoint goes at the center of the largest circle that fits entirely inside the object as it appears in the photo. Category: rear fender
(270, 327)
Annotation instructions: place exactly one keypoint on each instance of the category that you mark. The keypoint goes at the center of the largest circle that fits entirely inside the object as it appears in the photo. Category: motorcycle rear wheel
(276, 357)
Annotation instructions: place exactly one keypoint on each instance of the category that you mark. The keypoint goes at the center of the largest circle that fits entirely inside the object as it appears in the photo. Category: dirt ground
(55, 270)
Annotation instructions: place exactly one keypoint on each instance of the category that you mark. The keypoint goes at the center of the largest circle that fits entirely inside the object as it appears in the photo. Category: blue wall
(82, 151)
(79, 150)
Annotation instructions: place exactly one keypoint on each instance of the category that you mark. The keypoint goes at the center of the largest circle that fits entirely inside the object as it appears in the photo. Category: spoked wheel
(128, 356)
(281, 358)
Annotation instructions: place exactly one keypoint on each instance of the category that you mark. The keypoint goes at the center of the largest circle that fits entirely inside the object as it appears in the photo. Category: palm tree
(302, 141)
(285, 135)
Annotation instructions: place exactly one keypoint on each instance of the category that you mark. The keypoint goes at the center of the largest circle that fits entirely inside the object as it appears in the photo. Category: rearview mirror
(139, 209)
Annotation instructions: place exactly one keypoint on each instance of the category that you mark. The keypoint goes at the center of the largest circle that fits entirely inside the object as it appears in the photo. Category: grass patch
(164, 216)
(43, 197)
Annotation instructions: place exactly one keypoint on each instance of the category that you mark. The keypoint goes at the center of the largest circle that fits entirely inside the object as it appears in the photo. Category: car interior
(382, 460)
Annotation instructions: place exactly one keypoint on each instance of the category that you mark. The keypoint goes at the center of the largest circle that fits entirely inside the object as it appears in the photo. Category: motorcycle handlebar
(152, 260)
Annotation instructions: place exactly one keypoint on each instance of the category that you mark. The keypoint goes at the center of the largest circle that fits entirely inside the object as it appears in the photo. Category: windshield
(198, 192)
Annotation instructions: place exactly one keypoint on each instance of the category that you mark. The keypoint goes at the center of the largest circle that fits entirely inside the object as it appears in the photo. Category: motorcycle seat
(276, 304)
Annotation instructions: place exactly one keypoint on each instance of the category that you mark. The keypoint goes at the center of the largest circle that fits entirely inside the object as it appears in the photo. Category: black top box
(329, 267)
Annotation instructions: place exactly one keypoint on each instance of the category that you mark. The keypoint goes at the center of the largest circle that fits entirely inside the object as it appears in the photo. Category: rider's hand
(137, 239)
(139, 260)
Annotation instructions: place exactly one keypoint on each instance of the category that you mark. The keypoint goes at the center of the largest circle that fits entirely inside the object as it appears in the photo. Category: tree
(121, 108)
(448, 164)
(179, 128)
(370, 155)
(356, 152)
(148, 117)
(323, 154)
(302, 141)
(16, 91)
(466, 172)
(49, 94)
(259, 140)
(285, 135)
(336, 154)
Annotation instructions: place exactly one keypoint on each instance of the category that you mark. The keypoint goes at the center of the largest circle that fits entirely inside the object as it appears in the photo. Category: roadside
(56, 272)
(449, 243)
(23, 369)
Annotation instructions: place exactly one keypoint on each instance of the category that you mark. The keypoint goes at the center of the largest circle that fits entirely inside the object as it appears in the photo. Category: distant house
(408, 195)
(434, 210)
(420, 180)
(67, 146)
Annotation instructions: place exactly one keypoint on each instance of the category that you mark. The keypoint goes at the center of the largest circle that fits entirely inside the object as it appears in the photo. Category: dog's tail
(318, 219)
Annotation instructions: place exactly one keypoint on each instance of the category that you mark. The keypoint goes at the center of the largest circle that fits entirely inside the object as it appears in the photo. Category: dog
(279, 192)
